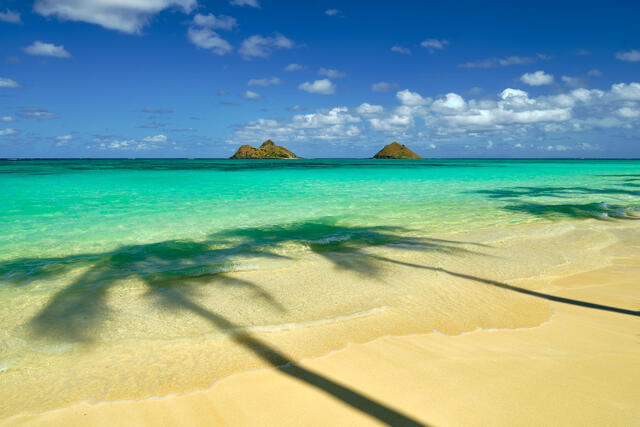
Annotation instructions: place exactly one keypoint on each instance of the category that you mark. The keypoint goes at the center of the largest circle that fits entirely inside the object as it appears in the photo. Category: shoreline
(557, 287)
(401, 372)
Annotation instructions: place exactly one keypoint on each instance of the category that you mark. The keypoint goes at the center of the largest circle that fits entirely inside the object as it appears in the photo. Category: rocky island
(396, 151)
(268, 150)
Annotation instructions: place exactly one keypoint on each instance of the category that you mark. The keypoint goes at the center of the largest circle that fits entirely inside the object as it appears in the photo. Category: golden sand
(572, 360)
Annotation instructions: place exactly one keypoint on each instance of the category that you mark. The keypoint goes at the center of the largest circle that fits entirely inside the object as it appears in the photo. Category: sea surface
(136, 278)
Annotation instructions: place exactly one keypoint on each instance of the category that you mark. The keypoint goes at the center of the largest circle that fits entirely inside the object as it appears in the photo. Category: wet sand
(579, 367)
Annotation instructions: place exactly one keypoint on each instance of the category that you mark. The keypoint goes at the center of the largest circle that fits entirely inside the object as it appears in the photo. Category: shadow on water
(173, 272)
(522, 199)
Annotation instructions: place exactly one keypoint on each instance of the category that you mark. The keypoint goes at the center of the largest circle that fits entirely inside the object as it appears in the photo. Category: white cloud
(631, 56)
(323, 87)
(383, 86)
(125, 16)
(332, 12)
(452, 101)
(201, 32)
(47, 49)
(7, 119)
(220, 22)
(399, 49)
(155, 138)
(629, 113)
(594, 72)
(434, 44)
(205, 38)
(7, 131)
(251, 3)
(409, 98)
(334, 124)
(332, 73)
(538, 78)
(368, 109)
(267, 81)
(251, 95)
(294, 67)
(629, 92)
(259, 46)
(8, 83)
(509, 115)
(10, 17)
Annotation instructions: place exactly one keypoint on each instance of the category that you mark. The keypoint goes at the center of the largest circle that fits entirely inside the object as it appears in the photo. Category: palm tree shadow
(176, 299)
(517, 289)
(174, 271)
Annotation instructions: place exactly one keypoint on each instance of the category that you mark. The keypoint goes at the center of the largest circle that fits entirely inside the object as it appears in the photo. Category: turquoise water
(150, 265)
(64, 207)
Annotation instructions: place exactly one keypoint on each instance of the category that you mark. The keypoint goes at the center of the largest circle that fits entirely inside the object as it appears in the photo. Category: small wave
(298, 325)
(332, 239)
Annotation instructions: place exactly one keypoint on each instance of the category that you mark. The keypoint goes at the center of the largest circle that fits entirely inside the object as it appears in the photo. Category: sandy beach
(577, 367)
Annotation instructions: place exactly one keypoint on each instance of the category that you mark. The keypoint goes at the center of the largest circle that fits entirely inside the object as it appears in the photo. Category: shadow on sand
(174, 270)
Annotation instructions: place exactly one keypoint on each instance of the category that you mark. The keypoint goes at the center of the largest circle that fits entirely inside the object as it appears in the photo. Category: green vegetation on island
(268, 150)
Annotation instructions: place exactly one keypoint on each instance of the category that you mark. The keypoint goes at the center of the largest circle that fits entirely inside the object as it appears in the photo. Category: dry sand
(581, 367)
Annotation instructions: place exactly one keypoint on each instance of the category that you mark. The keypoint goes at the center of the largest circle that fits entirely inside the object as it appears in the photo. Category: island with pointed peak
(396, 151)
(268, 150)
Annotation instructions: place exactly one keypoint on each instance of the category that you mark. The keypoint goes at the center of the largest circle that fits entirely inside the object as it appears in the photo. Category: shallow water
(132, 278)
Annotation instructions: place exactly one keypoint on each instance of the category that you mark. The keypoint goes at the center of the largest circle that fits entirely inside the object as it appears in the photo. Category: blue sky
(192, 78)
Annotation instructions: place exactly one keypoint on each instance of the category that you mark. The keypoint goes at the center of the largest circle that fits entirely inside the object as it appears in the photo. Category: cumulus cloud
(251, 3)
(383, 86)
(367, 109)
(7, 131)
(259, 46)
(294, 67)
(513, 113)
(8, 83)
(409, 98)
(538, 78)
(434, 44)
(630, 56)
(399, 49)
(333, 124)
(251, 95)
(267, 81)
(451, 102)
(322, 87)
(124, 16)
(332, 73)
(201, 32)
(47, 49)
(220, 22)
(11, 17)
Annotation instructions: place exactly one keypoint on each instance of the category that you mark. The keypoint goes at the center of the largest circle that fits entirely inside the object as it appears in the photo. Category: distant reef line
(269, 150)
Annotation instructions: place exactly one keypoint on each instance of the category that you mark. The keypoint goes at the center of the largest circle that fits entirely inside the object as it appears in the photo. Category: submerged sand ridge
(176, 340)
